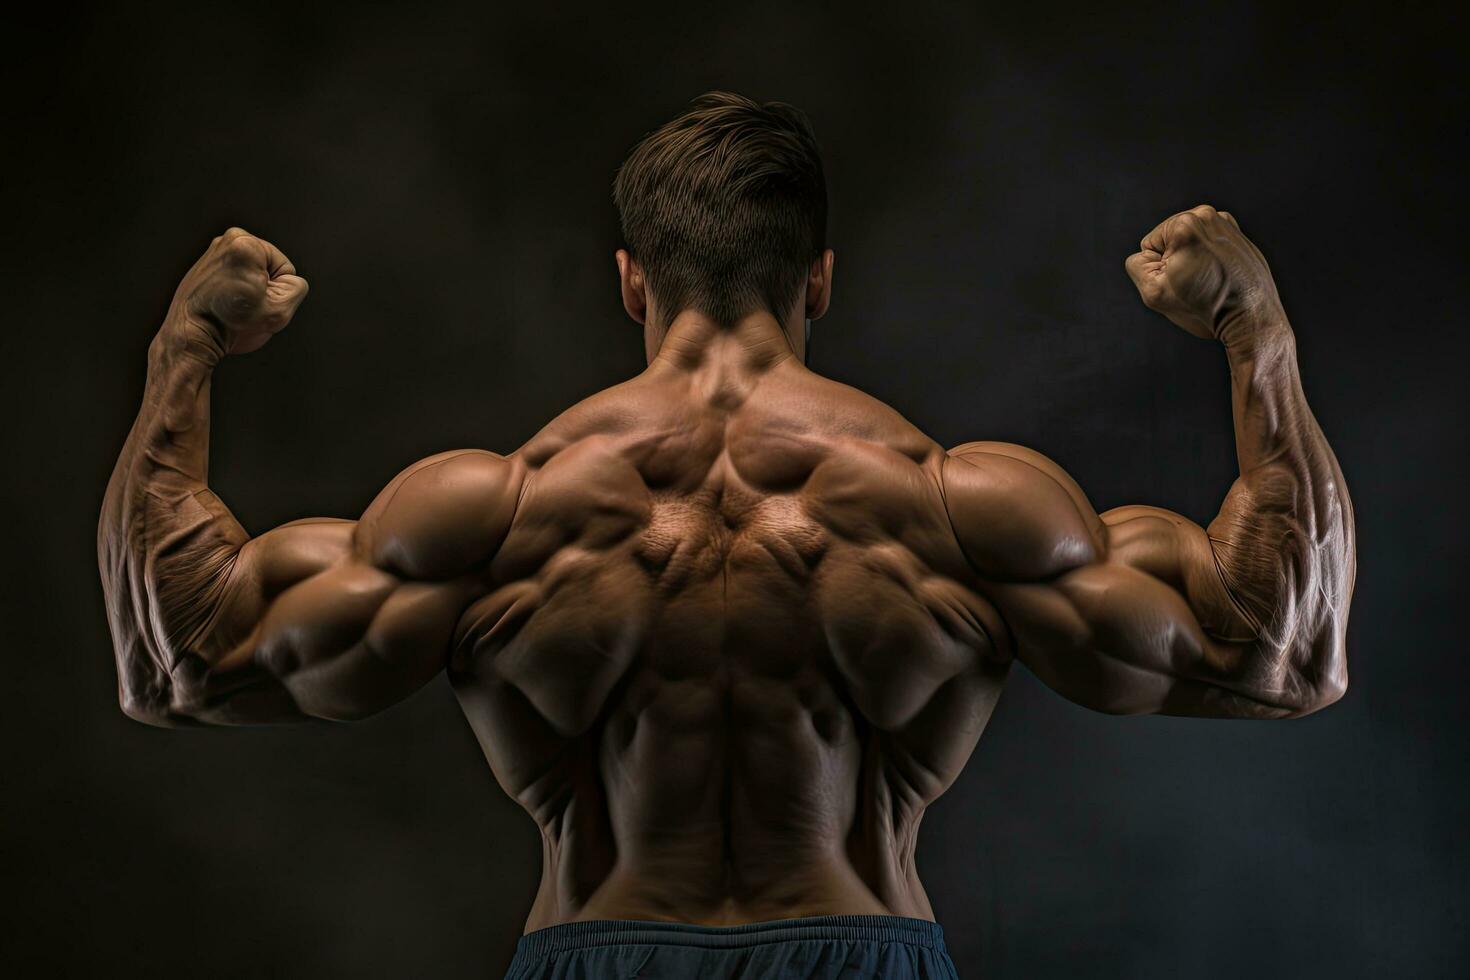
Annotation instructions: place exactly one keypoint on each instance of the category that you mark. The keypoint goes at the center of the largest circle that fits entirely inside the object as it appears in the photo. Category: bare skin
(726, 629)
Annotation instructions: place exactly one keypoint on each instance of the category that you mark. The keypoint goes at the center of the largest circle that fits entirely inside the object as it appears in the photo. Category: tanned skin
(727, 628)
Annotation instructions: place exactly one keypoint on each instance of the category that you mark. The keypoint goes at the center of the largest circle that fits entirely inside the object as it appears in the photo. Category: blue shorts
(818, 947)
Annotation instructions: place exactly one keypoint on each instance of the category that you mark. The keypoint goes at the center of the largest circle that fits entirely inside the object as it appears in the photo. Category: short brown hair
(725, 207)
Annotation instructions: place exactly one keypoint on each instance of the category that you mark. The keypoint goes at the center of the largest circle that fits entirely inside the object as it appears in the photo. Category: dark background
(443, 179)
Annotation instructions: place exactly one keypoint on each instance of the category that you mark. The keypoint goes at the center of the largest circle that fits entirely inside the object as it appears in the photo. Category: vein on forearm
(1281, 533)
(179, 549)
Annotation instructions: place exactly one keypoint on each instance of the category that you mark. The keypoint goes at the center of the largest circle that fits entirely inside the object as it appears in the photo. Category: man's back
(729, 655)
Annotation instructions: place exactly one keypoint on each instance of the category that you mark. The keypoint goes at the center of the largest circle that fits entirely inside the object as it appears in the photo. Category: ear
(819, 285)
(633, 284)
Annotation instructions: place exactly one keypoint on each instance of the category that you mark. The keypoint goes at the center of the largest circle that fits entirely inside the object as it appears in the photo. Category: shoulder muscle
(443, 516)
(1018, 515)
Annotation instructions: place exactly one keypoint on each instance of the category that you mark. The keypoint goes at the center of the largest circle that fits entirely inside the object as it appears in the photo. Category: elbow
(146, 693)
(1324, 678)
(1311, 667)
(1323, 686)
(147, 710)
(1326, 691)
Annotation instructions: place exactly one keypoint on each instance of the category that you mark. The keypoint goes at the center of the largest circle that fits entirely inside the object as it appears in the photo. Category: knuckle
(242, 248)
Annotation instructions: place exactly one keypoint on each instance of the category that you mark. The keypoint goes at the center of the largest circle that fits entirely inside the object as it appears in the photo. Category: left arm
(326, 619)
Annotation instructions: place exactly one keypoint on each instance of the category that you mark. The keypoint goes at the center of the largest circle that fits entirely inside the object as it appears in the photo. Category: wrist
(1251, 331)
(185, 337)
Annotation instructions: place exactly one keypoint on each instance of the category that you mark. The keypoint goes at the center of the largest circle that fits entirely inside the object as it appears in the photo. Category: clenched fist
(239, 294)
(1198, 269)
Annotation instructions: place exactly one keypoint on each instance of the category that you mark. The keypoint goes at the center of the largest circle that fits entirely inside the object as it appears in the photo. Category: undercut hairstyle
(725, 208)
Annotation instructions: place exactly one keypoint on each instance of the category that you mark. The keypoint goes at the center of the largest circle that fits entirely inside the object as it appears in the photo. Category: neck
(755, 342)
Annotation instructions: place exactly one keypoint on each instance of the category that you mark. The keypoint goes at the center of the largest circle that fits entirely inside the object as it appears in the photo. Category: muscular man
(727, 628)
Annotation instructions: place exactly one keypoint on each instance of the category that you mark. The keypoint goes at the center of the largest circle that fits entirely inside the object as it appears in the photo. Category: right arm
(314, 620)
(1140, 609)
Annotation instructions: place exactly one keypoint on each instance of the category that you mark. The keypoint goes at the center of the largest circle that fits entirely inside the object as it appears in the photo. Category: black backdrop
(443, 180)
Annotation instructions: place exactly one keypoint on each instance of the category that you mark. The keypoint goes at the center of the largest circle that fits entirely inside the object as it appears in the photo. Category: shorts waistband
(624, 932)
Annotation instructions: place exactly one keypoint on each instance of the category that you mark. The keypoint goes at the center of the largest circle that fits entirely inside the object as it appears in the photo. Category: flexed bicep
(337, 620)
(1140, 609)
(1124, 612)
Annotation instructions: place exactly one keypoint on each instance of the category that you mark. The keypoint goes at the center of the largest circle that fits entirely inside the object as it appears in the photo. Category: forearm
(1283, 540)
(165, 544)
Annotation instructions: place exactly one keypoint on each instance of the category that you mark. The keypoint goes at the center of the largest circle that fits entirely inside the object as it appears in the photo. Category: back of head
(725, 207)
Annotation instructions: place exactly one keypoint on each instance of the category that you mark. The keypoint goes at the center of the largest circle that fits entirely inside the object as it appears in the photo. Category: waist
(624, 932)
